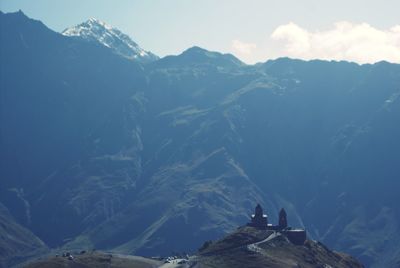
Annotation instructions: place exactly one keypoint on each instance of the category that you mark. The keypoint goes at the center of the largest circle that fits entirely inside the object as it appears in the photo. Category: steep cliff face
(114, 155)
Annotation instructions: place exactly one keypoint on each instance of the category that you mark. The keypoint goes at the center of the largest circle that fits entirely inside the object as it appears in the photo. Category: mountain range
(104, 145)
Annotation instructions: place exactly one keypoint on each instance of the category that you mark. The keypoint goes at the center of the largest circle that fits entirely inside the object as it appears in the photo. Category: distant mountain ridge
(99, 151)
(98, 31)
(199, 57)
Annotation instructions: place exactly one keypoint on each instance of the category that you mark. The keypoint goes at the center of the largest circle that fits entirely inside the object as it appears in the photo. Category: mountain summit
(120, 43)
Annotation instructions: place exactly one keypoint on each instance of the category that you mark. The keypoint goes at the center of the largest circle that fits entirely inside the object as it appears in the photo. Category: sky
(363, 31)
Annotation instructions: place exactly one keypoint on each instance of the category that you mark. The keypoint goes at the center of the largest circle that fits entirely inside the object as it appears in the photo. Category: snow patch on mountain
(120, 43)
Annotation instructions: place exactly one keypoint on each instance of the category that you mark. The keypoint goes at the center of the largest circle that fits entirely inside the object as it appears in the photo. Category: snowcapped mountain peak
(99, 31)
(94, 21)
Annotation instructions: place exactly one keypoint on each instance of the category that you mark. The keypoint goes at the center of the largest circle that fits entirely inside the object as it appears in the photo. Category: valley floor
(95, 259)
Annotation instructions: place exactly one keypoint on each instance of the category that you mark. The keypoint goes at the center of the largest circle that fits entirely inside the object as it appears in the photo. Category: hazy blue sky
(253, 30)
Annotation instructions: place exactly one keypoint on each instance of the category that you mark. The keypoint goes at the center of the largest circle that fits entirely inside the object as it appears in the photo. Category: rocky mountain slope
(108, 153)
(17, 243)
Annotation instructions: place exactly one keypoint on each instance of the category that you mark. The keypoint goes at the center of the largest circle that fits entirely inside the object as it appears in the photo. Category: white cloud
(361, 43)
(243, 48)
